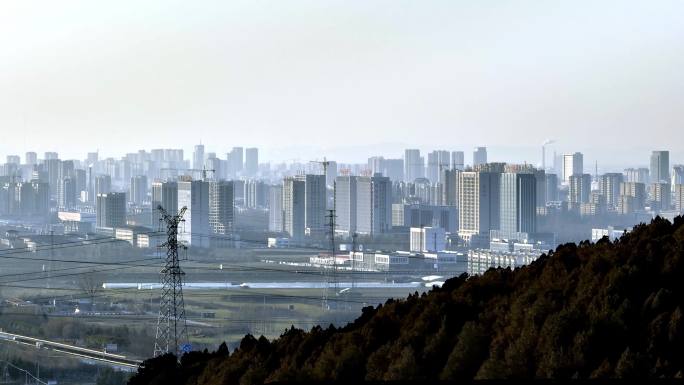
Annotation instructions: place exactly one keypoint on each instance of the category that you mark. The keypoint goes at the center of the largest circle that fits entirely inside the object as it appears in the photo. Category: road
(114, 360)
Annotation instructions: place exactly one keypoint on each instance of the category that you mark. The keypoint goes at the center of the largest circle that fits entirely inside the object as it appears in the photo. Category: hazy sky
(312, 78)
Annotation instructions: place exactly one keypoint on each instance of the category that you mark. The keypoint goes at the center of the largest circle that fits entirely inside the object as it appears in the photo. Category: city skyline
(323, 190)
(638, 158)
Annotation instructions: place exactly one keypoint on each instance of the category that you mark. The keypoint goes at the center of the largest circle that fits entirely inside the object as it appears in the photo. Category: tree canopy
(592, 310)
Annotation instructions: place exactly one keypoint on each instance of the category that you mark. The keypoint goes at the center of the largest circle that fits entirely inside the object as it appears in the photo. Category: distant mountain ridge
(603, 310)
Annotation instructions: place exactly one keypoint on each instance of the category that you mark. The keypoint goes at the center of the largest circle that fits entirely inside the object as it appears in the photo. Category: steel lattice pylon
(171, 325)
(331, 280)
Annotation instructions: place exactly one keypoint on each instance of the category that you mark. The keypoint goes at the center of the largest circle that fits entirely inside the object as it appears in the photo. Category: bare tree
(91, 284)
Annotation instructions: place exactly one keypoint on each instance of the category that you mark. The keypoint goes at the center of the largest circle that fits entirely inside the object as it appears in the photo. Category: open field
(64, 299)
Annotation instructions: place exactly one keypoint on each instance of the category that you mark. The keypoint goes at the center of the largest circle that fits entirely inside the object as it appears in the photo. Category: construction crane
(204, 171)
(325, 163)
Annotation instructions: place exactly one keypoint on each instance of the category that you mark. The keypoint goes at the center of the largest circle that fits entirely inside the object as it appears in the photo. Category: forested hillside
(583, 311)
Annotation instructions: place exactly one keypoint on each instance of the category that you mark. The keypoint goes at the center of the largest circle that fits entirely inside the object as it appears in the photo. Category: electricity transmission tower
(331, 282)
(171, 324)
(353, 261)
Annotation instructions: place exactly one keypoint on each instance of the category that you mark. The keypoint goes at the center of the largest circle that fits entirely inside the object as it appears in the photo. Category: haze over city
(283, 191)
(124, 75)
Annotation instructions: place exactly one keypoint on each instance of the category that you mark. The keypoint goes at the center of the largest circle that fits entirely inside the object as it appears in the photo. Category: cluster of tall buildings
(126, 192)
(474, 200)
(237, 162)
(631, 191)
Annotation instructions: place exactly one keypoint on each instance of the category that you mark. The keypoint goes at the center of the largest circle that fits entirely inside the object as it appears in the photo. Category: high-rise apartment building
(174, 157)
(479, 203)
(394, 169)
(638, 175)
(103, 184)
(414, 165)
(450, 180)
(580, 190)
(432, 172)
(315, 204)
(661, 194)
(214, 167)
(53, 168)
(632, 197)
(551, 187)
(275, 209)
(10, 195)
(364, 204)
(198, 157)
(49, 155)
(660, 167)
(138, 189)
(679, 197)
(376, 165)
(31, 158)
(479, 156)
(457, 160)
(381, 214)
(164, 194)
(540, 182)
(518, 204)
(437, 161)
(346, 203)
(66, 193)
(13, 159)
(221, 206)
(235, 161)
(81, 183)
(239, 192)
(194, 195)
(294, 198)
(92, 158)
(251, 161)
(66, 169)
(609, 187)
(11, 170)
(111, 210)
(677, 175)
(35, 198)
(256, 194)
(573, 164)
(331, 173)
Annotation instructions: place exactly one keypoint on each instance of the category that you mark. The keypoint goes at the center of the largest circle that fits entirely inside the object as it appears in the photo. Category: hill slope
(584, 311)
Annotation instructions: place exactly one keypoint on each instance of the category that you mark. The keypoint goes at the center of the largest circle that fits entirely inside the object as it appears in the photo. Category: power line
(121, 267)
(9, 254)
(80, 242)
